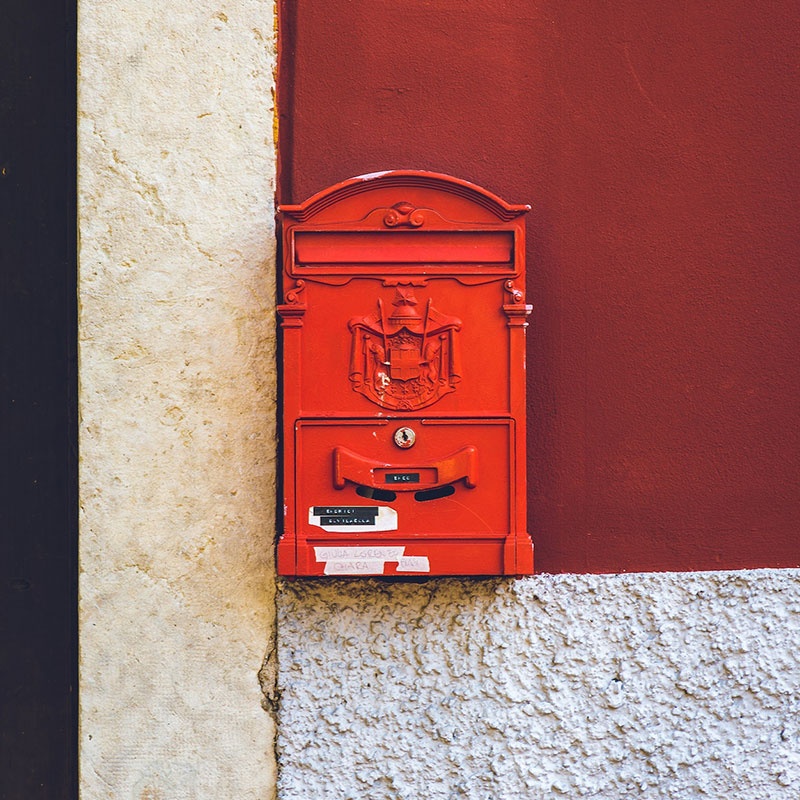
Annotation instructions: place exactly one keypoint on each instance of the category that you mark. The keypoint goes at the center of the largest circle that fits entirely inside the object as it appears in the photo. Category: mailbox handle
(350, 466)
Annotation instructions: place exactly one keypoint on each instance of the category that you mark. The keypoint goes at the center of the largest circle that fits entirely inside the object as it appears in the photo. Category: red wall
(657, 144)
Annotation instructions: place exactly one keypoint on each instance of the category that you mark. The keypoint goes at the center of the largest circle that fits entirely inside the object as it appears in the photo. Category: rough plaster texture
(177, 400)
(642, 686)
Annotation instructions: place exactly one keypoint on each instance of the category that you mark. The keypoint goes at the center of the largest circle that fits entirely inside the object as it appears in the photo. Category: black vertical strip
(285, 94)
(38, 424)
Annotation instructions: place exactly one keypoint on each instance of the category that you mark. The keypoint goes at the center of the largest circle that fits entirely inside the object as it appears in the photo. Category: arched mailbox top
(403, 222)
(419, 183)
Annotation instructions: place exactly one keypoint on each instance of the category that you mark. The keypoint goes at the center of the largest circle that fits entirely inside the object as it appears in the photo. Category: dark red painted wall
(657, 145)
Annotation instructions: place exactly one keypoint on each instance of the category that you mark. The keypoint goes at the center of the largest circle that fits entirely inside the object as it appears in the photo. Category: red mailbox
(403, 320)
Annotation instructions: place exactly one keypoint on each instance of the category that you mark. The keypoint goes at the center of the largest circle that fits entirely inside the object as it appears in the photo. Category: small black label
(402, 477)
(354, 519)
(346, 511)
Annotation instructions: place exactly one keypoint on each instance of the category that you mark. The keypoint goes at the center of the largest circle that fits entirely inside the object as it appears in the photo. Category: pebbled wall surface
(680, 686)
(177, 399)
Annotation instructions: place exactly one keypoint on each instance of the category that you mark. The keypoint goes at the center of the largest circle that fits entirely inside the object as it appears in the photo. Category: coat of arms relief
(405, 358)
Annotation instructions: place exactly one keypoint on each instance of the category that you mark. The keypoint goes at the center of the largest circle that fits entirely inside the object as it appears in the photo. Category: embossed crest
(405, 360)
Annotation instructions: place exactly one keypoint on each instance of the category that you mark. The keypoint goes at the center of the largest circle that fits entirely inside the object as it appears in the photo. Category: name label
(402, 477)
(353, 519)
(350, 519)
(345, 511)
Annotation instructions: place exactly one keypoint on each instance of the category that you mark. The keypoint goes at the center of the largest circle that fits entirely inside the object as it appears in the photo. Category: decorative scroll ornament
(517, 295)
(404, 214)
(517, 310)
(293, 295)
(405, 360)
(292, 311)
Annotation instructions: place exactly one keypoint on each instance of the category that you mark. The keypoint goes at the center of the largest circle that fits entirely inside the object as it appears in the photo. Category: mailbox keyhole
(435, 494)
(376, 494)
(405, 437)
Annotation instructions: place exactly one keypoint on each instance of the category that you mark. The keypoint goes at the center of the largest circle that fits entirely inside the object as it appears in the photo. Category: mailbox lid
(388, 280)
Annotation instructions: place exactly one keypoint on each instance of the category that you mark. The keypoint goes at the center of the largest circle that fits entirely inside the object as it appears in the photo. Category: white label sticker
(356, 519)
(375, 553)
(368, 560)
(414, 564)
(354, 566)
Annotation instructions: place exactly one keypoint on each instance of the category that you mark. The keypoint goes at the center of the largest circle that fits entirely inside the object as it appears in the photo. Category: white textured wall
(177, 398)
(630, 686)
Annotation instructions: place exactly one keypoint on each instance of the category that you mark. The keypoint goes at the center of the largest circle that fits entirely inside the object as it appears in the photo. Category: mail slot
(403, 320)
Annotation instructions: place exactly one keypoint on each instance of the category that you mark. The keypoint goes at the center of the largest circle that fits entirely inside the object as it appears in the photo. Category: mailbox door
(356, 486)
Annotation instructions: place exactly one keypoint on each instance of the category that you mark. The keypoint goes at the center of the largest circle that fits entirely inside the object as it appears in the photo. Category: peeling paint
(370, 175)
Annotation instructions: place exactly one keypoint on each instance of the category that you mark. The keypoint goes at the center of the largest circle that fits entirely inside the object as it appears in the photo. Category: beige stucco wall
(177, 398)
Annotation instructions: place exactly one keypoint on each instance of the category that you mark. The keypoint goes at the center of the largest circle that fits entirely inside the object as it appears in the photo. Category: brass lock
(404, 437)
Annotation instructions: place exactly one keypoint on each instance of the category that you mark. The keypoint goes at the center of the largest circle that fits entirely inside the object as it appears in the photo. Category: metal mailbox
(403, 319)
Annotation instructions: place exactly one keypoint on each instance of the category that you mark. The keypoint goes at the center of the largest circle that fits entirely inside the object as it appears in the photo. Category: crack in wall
(268, 679)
